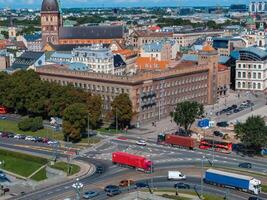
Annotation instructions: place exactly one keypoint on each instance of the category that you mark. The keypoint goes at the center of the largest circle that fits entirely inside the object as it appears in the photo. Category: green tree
(186, 113)
(252, 133)
(122, 109)
(94, 106)
(5, 34)
(74, 121)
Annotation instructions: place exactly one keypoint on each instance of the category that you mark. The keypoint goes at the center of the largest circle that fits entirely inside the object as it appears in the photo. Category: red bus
(3, 110)
(220, 146)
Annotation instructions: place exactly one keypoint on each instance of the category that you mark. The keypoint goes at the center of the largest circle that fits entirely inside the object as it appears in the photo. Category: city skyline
(32, 4)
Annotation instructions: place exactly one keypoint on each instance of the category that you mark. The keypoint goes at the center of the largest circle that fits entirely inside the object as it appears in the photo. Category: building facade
(188, 39)
(100, 59)
(258, 7)
(154, 94)
(54, 32)
(251, 70)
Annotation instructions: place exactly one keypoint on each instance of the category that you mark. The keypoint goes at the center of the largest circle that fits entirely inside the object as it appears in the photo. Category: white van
(176, 175)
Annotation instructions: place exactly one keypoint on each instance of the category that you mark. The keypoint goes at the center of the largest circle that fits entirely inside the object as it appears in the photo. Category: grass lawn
(264, 188)
(64, 167)
(212, 197)
(41, 175)
(21, 164)
(6, 125)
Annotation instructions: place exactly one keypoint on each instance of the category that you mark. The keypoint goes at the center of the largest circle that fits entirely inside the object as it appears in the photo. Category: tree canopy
(186, 113)
(122, 108)
(252, 133)
(74, 121)
(24, 93)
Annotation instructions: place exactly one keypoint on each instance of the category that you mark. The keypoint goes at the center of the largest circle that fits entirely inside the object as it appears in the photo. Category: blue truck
(232, 180)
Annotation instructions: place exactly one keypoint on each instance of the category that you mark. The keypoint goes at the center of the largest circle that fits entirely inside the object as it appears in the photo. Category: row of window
(182, 81)
(249, 75)
(92, 87)
(94, 60)
(249, 66)
(248, 85)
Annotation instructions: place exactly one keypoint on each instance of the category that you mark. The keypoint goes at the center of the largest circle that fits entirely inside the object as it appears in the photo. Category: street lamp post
(116, 116)
(78, 186)
(88, 128)
(202, 166)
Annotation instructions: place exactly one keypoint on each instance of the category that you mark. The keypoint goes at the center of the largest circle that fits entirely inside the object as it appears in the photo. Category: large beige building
(187, 39)
(154, 94)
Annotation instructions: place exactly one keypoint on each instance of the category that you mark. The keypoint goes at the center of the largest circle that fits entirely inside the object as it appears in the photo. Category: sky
(119, 3)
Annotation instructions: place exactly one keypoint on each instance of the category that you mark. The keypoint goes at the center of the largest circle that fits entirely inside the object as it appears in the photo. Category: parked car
(17, 136)
(234, 106)
(52, 142)
(90, 194)
(254, 198)
(141, 143)
(181, 185)
(10, 135)
(113, 192)
(29, 138)
(141, 185)
(236, 110)
(2, 174)
(38, 139)
(245, 165)
(110, 187)
(4, 135)
(218, 133)
(126, 183)
(222, 124)
(2, 117)
(99, 169)
(45, 140)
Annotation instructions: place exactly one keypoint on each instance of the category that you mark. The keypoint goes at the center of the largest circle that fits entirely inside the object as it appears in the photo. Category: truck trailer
(177, 140)
(232, 180)
(135, 161)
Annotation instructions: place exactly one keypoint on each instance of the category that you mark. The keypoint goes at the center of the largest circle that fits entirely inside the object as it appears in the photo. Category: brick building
(154, 94)
(54, 32)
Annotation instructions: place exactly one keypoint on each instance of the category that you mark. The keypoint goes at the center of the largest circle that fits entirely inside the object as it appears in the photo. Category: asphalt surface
(164, 157)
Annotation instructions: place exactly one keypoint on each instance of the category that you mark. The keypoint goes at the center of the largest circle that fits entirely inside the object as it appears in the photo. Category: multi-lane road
(163, 157)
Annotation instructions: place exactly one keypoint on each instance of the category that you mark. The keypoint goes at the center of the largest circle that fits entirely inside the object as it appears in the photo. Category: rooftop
(91, 32)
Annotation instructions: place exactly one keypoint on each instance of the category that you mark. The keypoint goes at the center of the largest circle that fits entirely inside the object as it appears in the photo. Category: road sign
(203, 123)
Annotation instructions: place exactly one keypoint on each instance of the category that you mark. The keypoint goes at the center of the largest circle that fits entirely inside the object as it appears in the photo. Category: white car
(51, 142)
(141, 142)
(17, 136)
(29, 138)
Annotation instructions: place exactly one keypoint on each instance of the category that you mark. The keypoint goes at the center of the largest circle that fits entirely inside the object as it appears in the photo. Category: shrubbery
(31, 124)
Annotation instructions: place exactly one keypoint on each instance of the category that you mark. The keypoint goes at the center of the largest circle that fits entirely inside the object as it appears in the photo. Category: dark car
(45, 140)
(141, 185)
(236, 110)
(222, 124)
(99, 169)
(111, 187)
(4, 135)
(38, 139)
(254, 198)
(218, 133)
(245, 165)
(10, 135)
(234, 106)
(181, 185)
(113, 192)
(90, 194)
